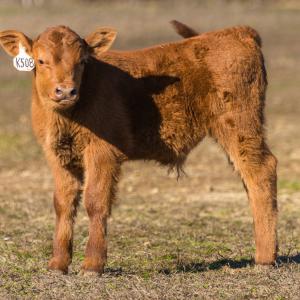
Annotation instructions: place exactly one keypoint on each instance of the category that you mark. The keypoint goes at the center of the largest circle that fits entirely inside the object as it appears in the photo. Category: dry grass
(167, 239)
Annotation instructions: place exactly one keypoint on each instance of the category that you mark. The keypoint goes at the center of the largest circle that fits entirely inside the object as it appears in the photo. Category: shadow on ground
(287, 259)
(199, 267)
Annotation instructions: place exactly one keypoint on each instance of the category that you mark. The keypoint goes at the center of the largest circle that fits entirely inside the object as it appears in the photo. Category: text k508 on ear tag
(23, 61)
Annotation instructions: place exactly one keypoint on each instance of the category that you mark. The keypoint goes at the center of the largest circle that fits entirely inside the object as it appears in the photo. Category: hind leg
(243, 140)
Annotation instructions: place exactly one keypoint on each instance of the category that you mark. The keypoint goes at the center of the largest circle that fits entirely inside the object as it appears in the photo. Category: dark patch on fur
(200, 51)
(56, 37)
(230, 122)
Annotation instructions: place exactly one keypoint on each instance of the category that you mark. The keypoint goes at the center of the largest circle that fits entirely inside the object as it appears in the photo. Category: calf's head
(60, 56)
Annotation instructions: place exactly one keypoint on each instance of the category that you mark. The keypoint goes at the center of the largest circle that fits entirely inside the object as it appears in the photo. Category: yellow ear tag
(23, 61)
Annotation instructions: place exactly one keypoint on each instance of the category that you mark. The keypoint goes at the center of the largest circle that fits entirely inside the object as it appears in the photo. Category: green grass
(164, 259)
(11, 85)
(16, 147)
(290, 186)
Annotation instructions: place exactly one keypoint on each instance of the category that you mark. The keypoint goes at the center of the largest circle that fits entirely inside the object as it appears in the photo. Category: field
(168, 239)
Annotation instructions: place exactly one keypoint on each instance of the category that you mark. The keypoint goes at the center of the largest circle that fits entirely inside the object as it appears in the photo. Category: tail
(253, 34)
(183, 29)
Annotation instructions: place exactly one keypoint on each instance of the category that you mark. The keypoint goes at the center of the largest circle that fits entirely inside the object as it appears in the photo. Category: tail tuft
(183, 30)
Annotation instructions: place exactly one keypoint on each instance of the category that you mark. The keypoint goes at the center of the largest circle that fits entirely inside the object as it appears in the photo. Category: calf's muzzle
(65, 93)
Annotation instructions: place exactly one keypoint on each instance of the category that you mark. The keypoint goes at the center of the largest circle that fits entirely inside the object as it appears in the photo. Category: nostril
(73, 92)
(58, 91)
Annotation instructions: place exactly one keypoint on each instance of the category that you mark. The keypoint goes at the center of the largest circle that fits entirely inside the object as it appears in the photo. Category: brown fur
(153, 104)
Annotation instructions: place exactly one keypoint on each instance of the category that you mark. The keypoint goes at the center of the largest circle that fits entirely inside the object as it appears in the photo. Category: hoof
(92, 267)
(57, 272)
(90, 274)
(58, 266)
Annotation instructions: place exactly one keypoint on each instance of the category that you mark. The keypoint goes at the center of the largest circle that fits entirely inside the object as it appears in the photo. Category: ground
(168, 239)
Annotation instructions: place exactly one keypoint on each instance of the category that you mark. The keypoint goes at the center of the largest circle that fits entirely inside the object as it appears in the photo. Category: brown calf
(93, 109)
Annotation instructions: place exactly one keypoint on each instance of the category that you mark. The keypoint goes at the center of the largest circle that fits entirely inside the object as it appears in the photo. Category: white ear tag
(23, 61)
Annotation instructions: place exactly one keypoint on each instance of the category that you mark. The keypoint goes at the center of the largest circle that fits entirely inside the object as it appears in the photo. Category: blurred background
(161, 226)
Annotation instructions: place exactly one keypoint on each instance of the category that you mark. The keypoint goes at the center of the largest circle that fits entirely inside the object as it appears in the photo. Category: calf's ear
(101, 40)
(10, 39)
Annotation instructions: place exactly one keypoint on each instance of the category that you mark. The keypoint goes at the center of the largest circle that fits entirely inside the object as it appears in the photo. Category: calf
(93, 109)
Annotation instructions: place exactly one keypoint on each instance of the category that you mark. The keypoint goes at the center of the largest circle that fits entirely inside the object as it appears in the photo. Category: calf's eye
(40, 61)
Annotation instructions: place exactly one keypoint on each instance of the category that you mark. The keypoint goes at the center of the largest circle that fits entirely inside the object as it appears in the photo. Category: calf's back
(158, 103)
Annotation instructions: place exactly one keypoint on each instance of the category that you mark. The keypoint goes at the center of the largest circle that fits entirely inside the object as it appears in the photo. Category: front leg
(66, 199)
(102, 170)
